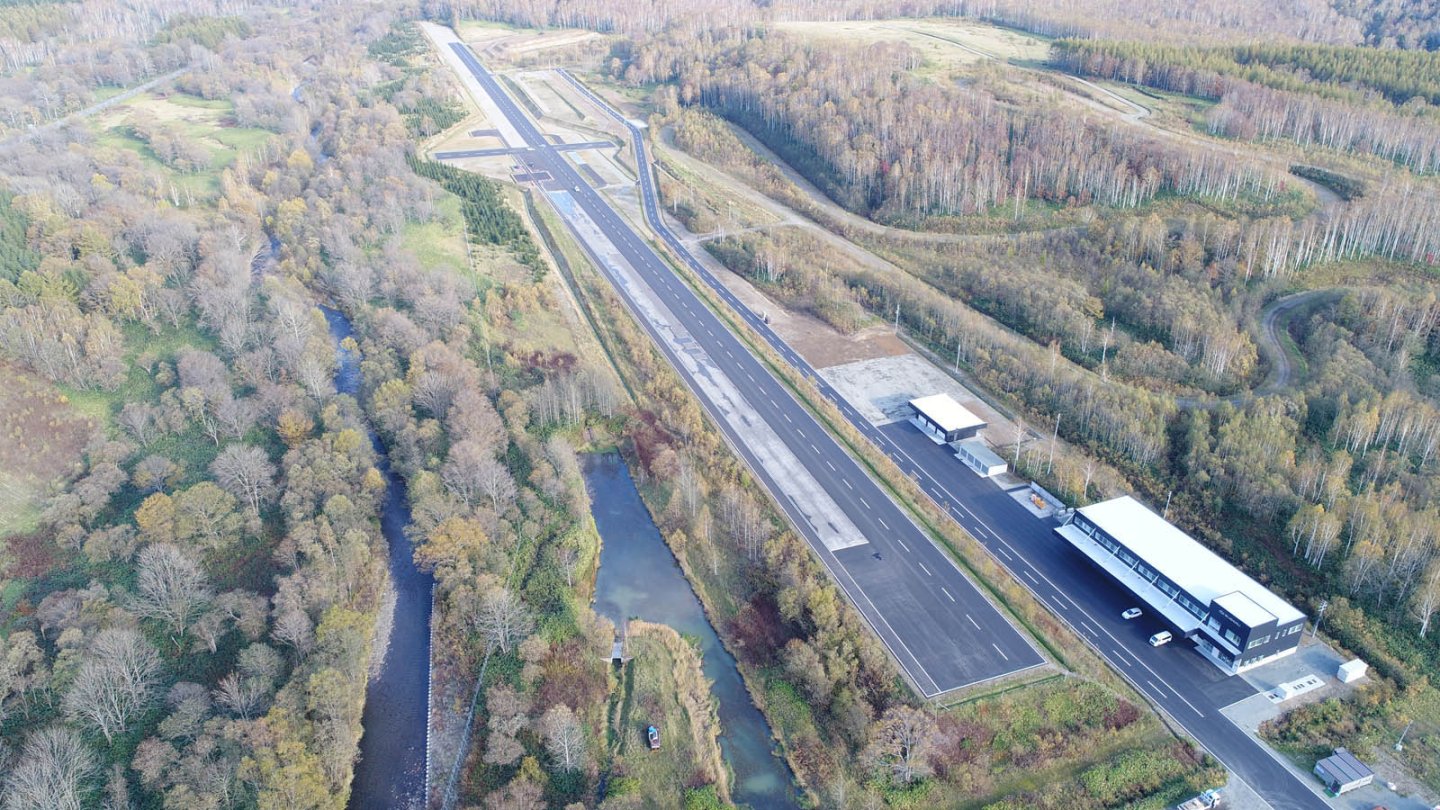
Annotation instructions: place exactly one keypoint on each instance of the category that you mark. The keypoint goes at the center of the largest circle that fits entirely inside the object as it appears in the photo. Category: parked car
(1162, 637)
(652, 736)
(1132, 613)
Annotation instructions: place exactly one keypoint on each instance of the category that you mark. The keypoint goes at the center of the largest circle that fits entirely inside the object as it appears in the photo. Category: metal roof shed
(980, 458)
(1342, 772)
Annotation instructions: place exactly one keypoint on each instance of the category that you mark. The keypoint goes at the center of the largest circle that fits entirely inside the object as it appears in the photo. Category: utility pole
(1053, 436)
(897, 317)
(1168, 496)
(957, 354)
(1324, 603)
(1019, 440)
(1400, 743)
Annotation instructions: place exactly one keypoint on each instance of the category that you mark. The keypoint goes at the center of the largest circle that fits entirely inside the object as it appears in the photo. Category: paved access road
(1187, 687)
(944, 633)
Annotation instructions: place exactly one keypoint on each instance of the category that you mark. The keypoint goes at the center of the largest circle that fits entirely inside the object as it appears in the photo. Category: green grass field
(439, 243)
(207, 122)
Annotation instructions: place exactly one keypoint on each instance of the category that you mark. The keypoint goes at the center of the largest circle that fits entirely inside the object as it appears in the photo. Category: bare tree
(691, 488)
(240, 695)
(502, 619)
(461, 471)
(116, 682)
(902, 743)
(435, 391)
(140, 420)
(473, 418)
(237, 416)
(745, 522)
(568, 558)
(564, 737)
(470, 471)
(1427, 595)
(171, 587)
(294, 628)
(497, 484)
(244, 471)
(507, 714)
(51, 772)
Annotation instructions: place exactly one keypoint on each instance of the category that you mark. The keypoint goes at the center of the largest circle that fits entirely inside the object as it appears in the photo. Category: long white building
(1234, 621)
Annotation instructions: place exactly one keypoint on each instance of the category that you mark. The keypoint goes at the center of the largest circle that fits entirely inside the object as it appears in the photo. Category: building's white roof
(946, 412)
(1354, 665)
(1244, 608)
(1181, 558)
(1155, 599)
(982, 454)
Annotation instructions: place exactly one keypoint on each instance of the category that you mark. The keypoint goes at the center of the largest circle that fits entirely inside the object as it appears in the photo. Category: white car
(1132, 613)
(1162, 637)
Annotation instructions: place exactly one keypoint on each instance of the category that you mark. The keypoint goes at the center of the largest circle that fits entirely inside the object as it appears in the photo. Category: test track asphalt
(943, 632)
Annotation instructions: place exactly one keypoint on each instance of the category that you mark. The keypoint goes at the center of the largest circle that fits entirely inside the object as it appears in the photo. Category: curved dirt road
(1273, 319)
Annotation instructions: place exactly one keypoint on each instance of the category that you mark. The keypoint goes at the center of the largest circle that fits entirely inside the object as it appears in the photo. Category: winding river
(391, 770)
(639, 578)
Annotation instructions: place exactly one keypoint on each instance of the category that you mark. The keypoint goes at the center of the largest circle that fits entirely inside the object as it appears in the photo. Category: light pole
(1400, 743)
(1324, 603)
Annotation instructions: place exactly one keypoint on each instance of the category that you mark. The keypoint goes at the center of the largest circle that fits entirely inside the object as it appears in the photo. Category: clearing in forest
(191, 137)
(944, 44)
(41, 437)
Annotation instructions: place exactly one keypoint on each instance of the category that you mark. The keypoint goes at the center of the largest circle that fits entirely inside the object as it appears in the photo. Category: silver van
(1162, 637)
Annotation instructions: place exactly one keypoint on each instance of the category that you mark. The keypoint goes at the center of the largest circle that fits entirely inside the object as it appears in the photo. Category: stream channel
(640, 579)
(391, 770)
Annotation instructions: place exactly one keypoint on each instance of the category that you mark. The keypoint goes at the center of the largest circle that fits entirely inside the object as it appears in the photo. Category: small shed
(1342, 772)
(943, 419)
(980, 458)
(1352, 671)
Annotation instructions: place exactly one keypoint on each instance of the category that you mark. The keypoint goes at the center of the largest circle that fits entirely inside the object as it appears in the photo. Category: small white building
(1352, 671)
(984, 461)
(943, 419)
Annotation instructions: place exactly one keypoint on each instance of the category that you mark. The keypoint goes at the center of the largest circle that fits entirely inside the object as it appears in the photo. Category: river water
(396, 721)
(639, 578)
